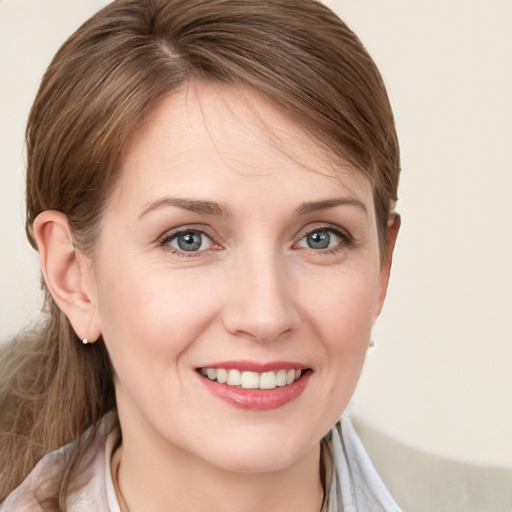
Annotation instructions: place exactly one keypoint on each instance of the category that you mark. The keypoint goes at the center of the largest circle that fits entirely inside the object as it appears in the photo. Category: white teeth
(268, 380)
(251, 380)
(234, 378)
(222, 375)
(281, 378)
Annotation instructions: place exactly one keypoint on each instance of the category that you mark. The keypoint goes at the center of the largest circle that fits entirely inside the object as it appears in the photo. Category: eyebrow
(192, 205)
(316, 206)
(220, 209)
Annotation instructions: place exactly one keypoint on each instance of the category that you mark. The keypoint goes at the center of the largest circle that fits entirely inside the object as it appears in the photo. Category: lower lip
(257, 399)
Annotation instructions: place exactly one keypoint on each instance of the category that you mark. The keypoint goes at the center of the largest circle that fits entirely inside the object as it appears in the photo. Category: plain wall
(440, 377)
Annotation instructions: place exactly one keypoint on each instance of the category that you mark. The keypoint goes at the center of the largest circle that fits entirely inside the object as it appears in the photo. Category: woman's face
(234, 246)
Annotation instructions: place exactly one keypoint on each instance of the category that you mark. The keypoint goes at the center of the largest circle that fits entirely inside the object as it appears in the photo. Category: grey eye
(190, 241)
(320, 239)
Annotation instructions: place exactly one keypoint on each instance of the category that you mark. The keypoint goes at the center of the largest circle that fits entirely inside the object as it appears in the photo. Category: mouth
(255, 387)
(252, 380)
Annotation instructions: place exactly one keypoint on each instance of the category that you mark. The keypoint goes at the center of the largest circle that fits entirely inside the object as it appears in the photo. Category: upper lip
(255, 366)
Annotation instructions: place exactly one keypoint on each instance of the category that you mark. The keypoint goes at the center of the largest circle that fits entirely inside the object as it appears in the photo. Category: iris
(190, 241)
(318, 240)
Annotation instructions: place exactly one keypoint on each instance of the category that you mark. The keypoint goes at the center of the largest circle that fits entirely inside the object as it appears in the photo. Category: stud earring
(85, 341)
(371, 343)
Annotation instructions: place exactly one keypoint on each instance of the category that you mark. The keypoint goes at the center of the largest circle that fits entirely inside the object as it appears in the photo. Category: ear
(393, 228)
(67, 273)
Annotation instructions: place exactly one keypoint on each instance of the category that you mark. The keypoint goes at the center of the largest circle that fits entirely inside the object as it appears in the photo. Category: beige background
(440, 377)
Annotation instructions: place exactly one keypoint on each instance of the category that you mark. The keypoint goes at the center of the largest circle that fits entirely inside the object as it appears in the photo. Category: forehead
(208, 137)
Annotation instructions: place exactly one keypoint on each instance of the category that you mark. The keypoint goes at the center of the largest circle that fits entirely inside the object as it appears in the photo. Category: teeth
(251, 380)
(222, 375)
(281, 378)
(268, 380)
(234, 378)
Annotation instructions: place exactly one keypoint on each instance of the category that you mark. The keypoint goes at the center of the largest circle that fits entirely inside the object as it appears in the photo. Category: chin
(257, 463)
(260, 452)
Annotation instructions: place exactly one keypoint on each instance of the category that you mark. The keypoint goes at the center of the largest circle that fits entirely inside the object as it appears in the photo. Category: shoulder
(423, 482)
(39, 483)
(90, 493)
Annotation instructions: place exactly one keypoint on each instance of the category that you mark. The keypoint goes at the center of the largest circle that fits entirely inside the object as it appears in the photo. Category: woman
(210, 187)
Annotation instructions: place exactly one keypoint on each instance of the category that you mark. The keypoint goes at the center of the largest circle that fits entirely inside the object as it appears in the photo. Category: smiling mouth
(252, 380)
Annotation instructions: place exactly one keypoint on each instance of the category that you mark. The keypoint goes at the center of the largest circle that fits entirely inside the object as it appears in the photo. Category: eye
(321, 239)
(189, 241)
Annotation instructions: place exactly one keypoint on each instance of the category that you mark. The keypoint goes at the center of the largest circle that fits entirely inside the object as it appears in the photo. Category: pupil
(189, 241)
(319, 240)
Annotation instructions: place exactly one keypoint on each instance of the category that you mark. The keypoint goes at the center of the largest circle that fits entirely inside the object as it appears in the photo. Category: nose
(260, 305)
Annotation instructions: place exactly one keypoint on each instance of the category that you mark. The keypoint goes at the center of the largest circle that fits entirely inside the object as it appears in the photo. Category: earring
(85, 341)
(371, 343)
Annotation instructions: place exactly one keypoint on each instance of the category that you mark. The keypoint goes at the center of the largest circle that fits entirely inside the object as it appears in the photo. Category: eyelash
(347, 241)
(166, 238)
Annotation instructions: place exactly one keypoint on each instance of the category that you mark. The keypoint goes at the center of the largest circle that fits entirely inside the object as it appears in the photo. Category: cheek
(343, 308)
(343, 316)
(151, 316)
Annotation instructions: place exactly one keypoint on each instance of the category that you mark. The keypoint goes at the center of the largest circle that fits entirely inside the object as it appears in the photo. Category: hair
(101, 84)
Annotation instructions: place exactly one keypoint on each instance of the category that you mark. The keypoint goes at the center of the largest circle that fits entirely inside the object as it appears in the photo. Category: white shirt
(354, 485)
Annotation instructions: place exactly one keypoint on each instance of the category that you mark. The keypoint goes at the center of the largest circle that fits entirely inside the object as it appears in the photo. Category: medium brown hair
(99, 87)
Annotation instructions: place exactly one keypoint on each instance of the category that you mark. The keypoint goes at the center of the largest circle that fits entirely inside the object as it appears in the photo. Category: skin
(255, 290)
